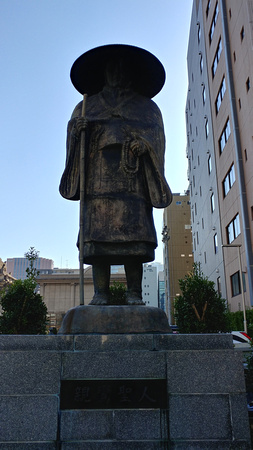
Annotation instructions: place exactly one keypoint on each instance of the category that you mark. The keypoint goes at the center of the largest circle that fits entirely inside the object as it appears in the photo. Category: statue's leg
(134, 271)
(101, 280)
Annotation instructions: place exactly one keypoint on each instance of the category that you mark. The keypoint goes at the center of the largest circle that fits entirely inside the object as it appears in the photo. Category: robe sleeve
(159, 190)
(70, 181)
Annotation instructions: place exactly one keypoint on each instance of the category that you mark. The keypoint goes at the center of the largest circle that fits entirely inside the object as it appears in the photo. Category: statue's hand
(81, 124)
(138, 147)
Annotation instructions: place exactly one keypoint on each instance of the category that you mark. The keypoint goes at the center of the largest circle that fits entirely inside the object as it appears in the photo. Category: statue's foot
(99, 299)
(132, 299)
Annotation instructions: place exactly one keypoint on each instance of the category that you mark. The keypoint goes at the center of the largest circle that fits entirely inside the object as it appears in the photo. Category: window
(236, 283)
(219, 285)
(224, 136)
(208, 7)
(201, 64)
(248, 85)
(204, 94)
(220, 95)
(206, 128)
(209, 162)
(242, 33)
(214, 20)
(199, 33)
(229, 180)
(216, 58)
(212, 203)
(233, 229)
(215, 242)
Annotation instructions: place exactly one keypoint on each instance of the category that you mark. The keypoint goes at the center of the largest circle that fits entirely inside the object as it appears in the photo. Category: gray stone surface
(218, 371)
(28, 418)
(200, 417)
(193, 341)
(29, 372)
(120, 342)
(206, 393)
(137, 425)
(128, 364)
(238, 413)
(211, 445)
(115, 445)
(47, 342)
(86, 425)
(28, 446)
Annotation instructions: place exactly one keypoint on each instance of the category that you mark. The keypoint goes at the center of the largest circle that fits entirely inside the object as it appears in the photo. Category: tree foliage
(236, 321)
(32, 255)
(200, 309)
(117, 293)
(23, 310)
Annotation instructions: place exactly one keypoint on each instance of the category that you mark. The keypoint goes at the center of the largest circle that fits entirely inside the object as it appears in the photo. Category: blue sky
(40, 40)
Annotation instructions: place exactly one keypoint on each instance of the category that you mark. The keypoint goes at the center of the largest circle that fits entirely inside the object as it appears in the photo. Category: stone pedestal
(205, 402)
(114, 320)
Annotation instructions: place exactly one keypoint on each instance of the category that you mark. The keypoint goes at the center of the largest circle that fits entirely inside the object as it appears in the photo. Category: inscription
(113, 394)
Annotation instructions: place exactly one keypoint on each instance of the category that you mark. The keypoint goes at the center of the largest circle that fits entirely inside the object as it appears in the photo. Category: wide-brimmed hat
(147, 72)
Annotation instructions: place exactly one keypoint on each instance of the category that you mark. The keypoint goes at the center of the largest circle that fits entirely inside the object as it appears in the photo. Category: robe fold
(120, 188)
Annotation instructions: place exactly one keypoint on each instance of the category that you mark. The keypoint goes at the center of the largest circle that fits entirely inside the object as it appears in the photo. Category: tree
(23, 310)
(117, 293)
(200, 309)
(32, 255)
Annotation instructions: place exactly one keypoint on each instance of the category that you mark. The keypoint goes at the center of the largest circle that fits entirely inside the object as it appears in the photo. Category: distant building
(161, 291)
(150, 285)
(177, 239)
(60, 290)
(5, 277)
(17, 266)
(219, 117)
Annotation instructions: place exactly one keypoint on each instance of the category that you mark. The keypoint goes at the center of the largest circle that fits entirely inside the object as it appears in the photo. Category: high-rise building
(150, 285)
(219, 117)
(17, 266)
(177, 239)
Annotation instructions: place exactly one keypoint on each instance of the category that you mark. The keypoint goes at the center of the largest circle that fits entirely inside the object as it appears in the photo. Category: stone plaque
(113, 394)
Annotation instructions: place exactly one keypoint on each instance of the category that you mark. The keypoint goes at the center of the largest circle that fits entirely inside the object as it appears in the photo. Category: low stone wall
(205, 400)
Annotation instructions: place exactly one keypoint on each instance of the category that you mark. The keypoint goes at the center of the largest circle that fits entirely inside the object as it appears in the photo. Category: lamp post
(241, 281)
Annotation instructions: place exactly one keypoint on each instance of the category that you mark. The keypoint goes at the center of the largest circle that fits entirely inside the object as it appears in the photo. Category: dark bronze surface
(124, 163)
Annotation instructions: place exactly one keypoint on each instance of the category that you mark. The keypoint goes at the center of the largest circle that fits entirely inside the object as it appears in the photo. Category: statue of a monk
(124, 162)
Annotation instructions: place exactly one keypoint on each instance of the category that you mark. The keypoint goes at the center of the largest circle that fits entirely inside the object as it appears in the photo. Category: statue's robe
(120, 189)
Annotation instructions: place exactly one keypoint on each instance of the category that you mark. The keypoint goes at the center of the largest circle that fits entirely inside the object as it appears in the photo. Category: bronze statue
(124, 162)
